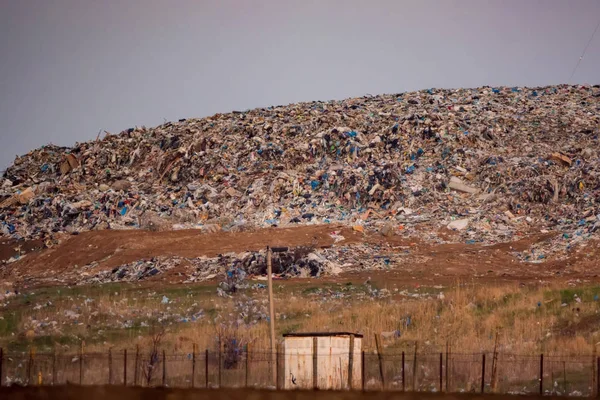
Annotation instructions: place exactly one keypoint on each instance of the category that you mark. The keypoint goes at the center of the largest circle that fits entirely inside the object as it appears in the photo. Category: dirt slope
(424, 262)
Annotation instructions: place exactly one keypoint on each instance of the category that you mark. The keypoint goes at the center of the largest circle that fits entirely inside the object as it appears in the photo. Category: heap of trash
(488, 163)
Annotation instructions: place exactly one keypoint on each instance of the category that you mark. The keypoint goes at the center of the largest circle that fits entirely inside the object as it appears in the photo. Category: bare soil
(425, 263)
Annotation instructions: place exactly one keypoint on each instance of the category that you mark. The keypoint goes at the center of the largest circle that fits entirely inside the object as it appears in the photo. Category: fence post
(483, 373)
(124, 367)
(136, 366)
(29, 366)
(220, 362)
(315, 363)
(206, 368)
(1, 362)
(164, 380)
(403, 374)
(441, 371)
(81, 363)
(597, 377)
(414, 378)
(110, 367)
(247, 364)
(193, 363)
(447, 358)
(542, 374)
(363, 368)
(277, 374)
(54, 367)
(380, 357)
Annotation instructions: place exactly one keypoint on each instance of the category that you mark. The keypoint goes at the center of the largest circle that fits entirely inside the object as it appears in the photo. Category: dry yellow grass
(527, 319)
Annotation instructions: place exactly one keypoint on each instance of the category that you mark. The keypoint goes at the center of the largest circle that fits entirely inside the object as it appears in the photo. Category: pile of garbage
(237, 267)
(487, 162)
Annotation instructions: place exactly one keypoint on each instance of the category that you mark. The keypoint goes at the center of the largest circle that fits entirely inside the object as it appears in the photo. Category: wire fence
(432, 372)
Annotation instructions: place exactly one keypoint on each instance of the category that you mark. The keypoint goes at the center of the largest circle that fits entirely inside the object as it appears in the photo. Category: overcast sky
(69, 68)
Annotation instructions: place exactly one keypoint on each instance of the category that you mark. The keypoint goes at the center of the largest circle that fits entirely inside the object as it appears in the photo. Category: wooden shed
(322, 360)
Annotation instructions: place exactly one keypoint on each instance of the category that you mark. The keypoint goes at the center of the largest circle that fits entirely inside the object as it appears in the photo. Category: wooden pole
(164, 361)
(350, 361)
(483, 373)
(124, 367)
(81, 363)
(247, 364)
(542, 374)
(363, 369)
(206, 368)
(315, 364)
(414, 377)
(380, 358)
(271, 311)
(441, 371)
(110, 371)
(403, 374)
(193, 364)
(495, 365)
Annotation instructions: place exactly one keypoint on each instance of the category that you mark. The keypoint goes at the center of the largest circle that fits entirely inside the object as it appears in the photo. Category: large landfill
(476, 166)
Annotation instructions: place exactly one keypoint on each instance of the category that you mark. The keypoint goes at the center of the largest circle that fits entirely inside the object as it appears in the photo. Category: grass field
(528, 319)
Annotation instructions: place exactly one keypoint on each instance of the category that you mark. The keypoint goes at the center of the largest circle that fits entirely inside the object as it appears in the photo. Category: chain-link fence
(438, 372)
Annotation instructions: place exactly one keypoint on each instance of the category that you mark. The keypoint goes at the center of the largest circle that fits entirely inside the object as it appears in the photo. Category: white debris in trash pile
(508, 160)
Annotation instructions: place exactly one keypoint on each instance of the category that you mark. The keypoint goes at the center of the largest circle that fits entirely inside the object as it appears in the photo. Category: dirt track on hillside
(425, 263)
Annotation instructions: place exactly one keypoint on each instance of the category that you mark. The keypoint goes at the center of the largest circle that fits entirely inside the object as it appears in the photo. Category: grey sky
(69, 68)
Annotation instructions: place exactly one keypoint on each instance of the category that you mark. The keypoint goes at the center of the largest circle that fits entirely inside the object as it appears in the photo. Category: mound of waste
(488, 162)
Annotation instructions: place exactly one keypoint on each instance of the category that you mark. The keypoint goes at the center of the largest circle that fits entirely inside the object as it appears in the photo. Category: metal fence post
(124, 367)
(277, 374)
(164, 361)
(380, 358)
(110, 371)
(136, 366)
(29, 366)
(483, 373)
(247, 364)
(441, 372)
(54, 367)
(598, 377)
(81, 364)
(220, 363)
(193, 363)
(542, 374)
(403, 374)
(206, 368)
(363, 369)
